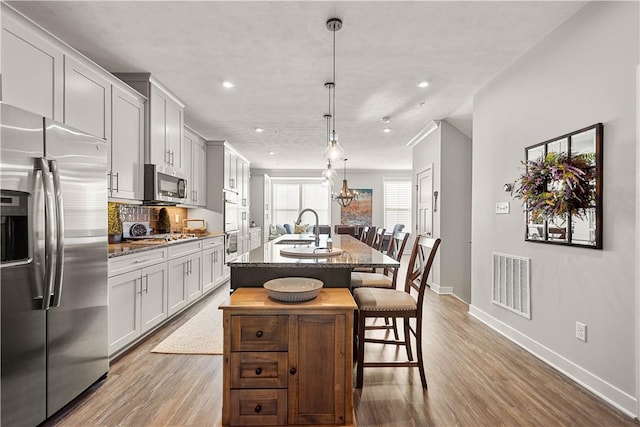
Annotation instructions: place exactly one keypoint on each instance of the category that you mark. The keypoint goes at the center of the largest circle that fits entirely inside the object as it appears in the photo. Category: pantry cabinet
(288, 364)
(194, 160)
(32, 68)
(126, 151)
(137, 296)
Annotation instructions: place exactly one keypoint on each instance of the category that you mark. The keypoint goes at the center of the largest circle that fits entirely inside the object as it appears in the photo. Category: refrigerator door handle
(57, 292)
(50, 224)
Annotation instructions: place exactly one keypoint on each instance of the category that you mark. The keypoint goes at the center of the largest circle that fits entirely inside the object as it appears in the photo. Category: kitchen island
(267, 262)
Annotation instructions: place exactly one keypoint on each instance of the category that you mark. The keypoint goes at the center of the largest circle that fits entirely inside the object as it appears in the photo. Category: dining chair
(371, 235)
(363, 233)
(378, 237)
(397, 304)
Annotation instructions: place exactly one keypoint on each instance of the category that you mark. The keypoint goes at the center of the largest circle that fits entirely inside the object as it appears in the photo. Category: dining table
(277, 258)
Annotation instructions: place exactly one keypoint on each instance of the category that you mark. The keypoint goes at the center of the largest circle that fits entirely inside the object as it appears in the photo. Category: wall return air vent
(511, 284)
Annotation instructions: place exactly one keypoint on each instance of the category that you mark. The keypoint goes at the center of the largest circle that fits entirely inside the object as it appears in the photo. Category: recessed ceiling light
(227, 84)
(271, 153)
(386, 130)
(423, 84)
(385, 119)
(259, 130)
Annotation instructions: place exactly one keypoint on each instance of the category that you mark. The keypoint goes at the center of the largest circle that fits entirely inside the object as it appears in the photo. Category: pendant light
(328, 174)
(346, 195)
(334, 150)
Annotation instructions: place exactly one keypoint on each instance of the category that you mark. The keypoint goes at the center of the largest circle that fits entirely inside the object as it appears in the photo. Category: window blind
(397, 203)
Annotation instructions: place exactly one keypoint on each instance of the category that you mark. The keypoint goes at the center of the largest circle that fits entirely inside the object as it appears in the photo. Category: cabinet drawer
(259, 333)
(259, 370)
(124, 263)
(210, 243)
(180, 249)
(258, 407)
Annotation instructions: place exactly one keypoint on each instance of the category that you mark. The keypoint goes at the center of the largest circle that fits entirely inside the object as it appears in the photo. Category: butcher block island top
(288, 363)
(266, 262)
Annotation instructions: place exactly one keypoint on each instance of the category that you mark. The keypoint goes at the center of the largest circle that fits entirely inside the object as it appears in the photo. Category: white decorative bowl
(293, 289)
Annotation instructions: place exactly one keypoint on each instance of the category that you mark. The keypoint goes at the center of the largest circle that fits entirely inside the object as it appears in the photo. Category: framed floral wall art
(561, 189)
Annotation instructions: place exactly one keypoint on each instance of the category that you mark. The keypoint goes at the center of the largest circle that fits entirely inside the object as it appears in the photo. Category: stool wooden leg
(423, 377)
(407, 338)
(360, 367)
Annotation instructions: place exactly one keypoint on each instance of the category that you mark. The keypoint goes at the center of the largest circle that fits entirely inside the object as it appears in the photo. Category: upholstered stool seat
(375, 280)
(381, 300)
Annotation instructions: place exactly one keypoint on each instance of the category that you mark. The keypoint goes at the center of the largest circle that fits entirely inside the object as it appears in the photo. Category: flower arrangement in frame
(561, 189)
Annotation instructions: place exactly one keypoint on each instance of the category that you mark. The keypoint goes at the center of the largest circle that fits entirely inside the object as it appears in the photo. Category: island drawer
(259, 370)
(259, 333)
(258, 407)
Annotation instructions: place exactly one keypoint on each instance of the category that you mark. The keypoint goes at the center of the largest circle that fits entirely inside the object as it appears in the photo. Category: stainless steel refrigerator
(53, 269)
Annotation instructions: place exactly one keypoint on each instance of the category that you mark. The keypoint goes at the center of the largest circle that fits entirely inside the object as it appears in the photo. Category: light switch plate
(502, 207)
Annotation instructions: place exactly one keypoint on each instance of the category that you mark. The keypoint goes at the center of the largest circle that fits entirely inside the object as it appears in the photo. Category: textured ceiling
(278, 54)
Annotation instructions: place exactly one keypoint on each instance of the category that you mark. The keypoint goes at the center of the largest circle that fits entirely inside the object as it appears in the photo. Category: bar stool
(397, 304)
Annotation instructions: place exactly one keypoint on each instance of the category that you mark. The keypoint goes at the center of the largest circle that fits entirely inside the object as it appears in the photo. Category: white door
(425, 202)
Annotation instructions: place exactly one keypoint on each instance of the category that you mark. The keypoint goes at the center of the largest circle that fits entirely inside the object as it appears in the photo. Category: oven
(231, 211)
(231, 243)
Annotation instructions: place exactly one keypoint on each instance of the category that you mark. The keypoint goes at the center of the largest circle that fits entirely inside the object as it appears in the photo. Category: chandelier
(334, 150)
(346, 195)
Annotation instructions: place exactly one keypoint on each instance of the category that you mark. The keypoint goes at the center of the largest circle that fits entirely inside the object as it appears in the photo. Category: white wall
(583, 73)
(449, 152)
(356, 179)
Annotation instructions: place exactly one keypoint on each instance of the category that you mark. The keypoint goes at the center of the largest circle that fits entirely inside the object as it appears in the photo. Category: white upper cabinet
(32, 68)
(87, 99)
(225, 172)
(194, 161)
(163, 122)
(126, 152)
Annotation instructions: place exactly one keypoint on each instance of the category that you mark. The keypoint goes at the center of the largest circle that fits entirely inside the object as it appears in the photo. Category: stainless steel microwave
(163, 186)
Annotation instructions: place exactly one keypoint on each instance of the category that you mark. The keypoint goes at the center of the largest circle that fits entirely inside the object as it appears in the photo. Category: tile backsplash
(137, 213)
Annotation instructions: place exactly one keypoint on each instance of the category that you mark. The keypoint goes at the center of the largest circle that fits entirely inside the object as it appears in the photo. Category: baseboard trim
(607, 392)
(441, 290)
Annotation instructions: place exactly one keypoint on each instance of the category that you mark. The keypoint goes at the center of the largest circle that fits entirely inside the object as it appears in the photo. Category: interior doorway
(425, 202)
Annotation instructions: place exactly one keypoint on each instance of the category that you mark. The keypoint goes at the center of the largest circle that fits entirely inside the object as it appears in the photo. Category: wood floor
(476, 378)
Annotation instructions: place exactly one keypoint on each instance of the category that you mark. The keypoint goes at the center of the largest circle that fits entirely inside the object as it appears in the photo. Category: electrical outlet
(581, 331)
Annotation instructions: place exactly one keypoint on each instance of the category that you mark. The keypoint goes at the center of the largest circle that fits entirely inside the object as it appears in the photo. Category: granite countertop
(132, 247)
(354, 254)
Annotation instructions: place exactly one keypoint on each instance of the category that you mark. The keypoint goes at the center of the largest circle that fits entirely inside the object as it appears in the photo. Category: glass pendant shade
(334, 151)
(329, 172)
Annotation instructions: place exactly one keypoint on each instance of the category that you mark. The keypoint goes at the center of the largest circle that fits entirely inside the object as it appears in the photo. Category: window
(289, 199)
(397, 203)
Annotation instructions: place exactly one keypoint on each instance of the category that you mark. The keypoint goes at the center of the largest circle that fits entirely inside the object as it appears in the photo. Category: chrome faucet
(317, 229)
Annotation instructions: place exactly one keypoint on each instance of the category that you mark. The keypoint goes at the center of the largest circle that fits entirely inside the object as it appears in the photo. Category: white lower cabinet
(212, 263)
(149, 287)
(185, 275)
(137, 297)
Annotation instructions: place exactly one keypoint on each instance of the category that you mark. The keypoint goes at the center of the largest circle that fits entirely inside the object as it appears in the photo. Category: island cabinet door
(317, 371)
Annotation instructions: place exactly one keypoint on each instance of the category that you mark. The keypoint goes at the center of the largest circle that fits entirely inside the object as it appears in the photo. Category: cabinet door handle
(167, 156)
(140, 292)
(171, 157)
(146, 283)
(110, 181)
(292, 371)
(259, 334)
(117, 181)
(258, 408)
(258, 371)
